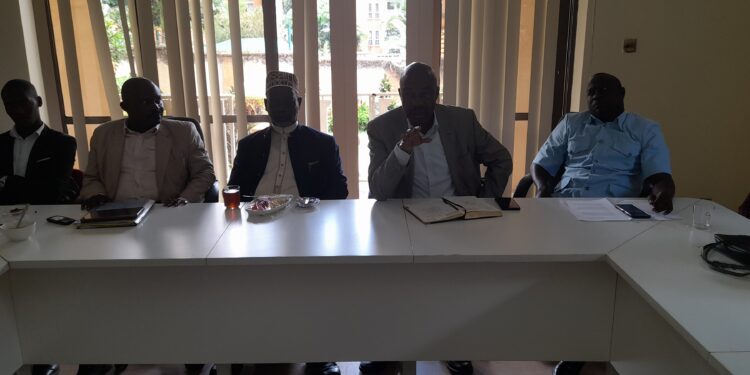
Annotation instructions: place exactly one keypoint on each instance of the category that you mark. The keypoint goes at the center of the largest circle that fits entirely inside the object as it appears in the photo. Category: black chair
(523, 187)
(212, 194)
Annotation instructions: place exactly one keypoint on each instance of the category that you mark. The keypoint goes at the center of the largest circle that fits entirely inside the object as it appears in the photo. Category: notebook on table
(435, 210)
(117, 214)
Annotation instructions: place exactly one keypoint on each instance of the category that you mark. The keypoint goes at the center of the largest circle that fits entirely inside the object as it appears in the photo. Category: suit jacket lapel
(163, 150)
(447, 130)
(399, 131)
(39, 146)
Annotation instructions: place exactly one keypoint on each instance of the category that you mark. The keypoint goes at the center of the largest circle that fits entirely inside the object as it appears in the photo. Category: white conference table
(363, 280)
(698, 310)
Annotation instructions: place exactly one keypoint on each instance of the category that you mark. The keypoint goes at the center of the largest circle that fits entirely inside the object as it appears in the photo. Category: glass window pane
(381, 56)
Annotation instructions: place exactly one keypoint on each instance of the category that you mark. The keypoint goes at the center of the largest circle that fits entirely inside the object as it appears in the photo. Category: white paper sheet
(595, 210)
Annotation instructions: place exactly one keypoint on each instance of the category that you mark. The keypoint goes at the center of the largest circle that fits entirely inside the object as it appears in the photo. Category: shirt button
(586, 188)
(601, 141)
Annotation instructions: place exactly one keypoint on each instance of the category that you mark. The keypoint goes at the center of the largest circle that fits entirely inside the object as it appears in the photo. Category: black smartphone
(508, 204)
(61, 220)
(632, 211)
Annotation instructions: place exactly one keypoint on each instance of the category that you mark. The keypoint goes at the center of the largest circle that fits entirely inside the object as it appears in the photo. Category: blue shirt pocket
(624, 154)
(578, 145)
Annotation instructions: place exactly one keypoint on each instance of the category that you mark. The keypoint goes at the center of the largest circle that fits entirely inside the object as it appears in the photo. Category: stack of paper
(604, 210)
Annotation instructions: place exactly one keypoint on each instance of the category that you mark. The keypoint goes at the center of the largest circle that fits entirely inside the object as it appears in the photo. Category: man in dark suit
(288, 157)
(35, 161)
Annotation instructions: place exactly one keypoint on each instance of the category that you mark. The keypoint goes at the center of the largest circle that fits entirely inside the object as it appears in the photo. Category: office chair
(523, 186)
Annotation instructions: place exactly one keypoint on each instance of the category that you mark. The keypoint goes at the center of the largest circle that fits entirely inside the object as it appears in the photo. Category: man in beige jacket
(146, 156)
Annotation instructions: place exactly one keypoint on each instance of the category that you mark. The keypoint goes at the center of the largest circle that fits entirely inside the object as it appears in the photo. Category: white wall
(691, 73)
(13, 63)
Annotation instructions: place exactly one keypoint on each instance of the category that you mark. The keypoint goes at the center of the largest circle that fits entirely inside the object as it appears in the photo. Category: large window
(210, 58)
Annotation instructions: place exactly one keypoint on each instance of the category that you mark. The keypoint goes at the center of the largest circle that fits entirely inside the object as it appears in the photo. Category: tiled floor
(351, 368)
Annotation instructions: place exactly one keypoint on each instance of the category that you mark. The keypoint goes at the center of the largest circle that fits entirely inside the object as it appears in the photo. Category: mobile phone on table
(632, 211)
(508, 204)
(61, 220)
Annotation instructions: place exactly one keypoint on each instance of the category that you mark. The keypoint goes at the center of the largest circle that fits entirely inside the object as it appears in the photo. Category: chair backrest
(522, 189)
(190, 120)
(524, 185)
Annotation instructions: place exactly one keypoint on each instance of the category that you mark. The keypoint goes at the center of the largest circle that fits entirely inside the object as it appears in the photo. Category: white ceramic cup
(20, 233)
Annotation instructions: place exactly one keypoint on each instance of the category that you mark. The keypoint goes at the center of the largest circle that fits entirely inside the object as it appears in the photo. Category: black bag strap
(740, 270)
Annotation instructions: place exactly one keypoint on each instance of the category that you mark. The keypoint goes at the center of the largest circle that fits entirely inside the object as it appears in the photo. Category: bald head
(418, 71)
(16, 87)
(419, 93)
(22, 105)
(141, 99)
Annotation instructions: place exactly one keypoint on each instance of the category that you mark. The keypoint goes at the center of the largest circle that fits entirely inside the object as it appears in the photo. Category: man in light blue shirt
(605, 152)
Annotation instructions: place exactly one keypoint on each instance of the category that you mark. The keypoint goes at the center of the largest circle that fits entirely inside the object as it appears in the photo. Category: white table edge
(106, 263)
(309, 260)
(694, 342)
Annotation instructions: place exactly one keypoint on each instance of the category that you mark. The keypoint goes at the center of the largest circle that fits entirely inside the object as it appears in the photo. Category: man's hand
(662, 192)
(94, 201)
(179, 201)
(745, 207)
(412, 138)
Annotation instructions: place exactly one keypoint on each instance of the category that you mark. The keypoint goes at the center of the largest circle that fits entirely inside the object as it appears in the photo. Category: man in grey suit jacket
(426, 150)
(423, 149)
(146, 156)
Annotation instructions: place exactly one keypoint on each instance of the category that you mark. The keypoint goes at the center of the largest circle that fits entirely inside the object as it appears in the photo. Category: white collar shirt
(432, 178)
(138, 169)
(22, 149)
(278, 176)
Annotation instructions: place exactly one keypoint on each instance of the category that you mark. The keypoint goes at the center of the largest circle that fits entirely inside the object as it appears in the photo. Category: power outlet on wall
(629, 45)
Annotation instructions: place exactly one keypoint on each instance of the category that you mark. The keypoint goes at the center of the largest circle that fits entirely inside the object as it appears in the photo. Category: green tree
(385, 84)
(251, 26)
(363, 117)
(115, 34)
(324, 27)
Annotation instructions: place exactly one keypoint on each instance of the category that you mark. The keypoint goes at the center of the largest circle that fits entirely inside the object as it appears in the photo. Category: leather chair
(523, 187)
(212, 194)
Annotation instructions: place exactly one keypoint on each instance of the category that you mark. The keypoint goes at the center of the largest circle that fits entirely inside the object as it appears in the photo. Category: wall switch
(629, 45)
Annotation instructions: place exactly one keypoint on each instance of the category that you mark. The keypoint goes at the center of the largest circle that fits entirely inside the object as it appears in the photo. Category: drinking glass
(231, 194)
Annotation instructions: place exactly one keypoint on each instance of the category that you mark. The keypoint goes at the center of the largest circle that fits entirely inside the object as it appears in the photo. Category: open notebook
(434, 210)
(117, 214)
